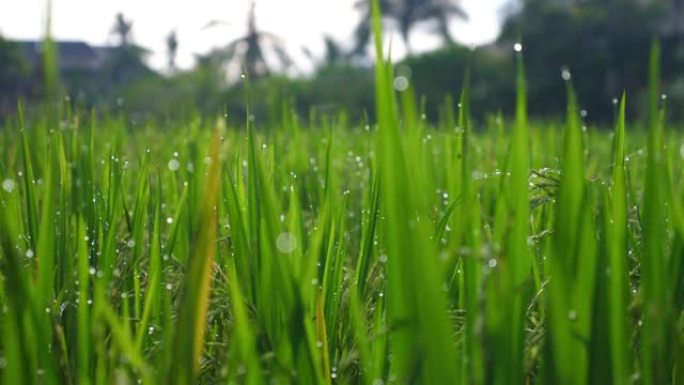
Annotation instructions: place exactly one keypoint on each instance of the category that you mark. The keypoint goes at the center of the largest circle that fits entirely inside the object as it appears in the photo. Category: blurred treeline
(602, 44)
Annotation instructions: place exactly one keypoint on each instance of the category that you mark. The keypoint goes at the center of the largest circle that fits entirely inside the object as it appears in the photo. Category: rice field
(326, 252)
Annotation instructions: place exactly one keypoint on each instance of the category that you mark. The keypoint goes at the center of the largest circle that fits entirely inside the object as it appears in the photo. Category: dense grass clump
(396, 253)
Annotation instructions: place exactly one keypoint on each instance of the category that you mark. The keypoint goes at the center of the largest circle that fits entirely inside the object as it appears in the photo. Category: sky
(299, 23)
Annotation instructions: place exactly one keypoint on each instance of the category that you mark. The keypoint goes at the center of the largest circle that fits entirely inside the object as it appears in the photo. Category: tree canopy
(407, 14)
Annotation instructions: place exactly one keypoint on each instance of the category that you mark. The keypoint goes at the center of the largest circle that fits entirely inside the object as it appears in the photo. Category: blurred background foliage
(603, 44)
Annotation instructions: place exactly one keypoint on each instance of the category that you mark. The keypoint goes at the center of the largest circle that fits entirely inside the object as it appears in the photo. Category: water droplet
(492, 263)
(319, 344)
(169, 286)
(517, 47)
(131, 243)
(383, 258)
(565, 74)
(572, 315)
(8, 185)
(286, 243)
(401, 83)
(169, 220)
(174, 165)
(92, 271)
(478, 175)
(29, 254)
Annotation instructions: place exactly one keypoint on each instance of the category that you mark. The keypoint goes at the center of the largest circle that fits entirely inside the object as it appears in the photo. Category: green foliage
(397, 252)
(602, 43)
(491, 89)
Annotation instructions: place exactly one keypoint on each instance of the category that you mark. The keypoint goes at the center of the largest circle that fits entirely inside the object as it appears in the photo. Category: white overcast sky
(298, 22)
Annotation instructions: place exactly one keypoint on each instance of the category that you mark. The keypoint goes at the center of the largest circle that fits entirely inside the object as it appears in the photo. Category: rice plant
(318, 252)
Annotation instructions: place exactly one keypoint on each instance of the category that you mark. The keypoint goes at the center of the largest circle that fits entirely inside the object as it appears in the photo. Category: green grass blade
(653, 262)
(616, 229)
(84, 304)
(189, 338)
(421, 337)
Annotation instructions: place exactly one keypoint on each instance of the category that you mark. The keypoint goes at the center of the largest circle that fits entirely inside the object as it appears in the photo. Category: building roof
(73, 55)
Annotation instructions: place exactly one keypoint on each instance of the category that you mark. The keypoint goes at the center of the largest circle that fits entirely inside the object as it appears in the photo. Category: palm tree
(125, 62)
(122, 29)
(172, 49)
(333, 51)
(249, 50)
(332, 55)
(408, 13)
